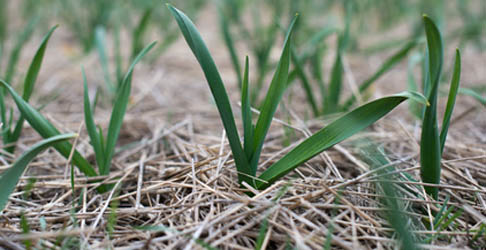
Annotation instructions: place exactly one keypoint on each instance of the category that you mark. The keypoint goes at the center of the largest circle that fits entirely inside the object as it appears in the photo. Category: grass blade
(270, 104)
(332, 99)
(29, 83)
(412, 85)
(299, 69)
(118, 112)
(35, 65)
(139, 32)
(198, 47)
(47, 130)
(91, 127)
(228, 41)
(430, 153)
(385, 67)
(451, 100)
(100, 42)
(10, 178)
(339, 130)
(392, 198)
(248, 128)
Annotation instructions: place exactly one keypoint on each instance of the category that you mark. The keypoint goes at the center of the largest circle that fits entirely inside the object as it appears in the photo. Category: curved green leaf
(29, 83)
(270, 104)
(246, 113)
(430, 152)
(10, 178)
(451, 100)
(91, 127)
(339, 130)
(47, 130)
(198, 47)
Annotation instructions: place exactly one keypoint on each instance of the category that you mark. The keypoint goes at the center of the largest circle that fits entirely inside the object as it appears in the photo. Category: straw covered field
(243, 124)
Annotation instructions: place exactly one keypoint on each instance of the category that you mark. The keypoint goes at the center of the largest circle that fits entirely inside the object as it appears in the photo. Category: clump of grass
(112, 84)
(432, 143)
(247, 156)
(104, 150)
(402, 224)
(260, 37)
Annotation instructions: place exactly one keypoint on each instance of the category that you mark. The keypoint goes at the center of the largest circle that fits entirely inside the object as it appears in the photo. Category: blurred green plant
(260, 36)
(104, 150)
(391, 200)
(83, 17)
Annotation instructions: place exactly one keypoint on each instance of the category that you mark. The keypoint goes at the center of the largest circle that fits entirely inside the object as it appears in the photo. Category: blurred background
(105, 35)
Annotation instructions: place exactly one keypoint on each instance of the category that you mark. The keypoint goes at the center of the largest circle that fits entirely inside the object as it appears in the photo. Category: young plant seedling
(104, 150)
(432, 143)
(260, 37)
(247, 156)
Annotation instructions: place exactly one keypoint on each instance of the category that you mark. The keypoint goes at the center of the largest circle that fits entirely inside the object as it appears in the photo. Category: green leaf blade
(274, 95)
(201, 52)
(47, 130)
(91, 127)
(451, 100)
(430, 152)
(10, 178)
(118, 112)
(334, 90)
(339, 130)
(246, 113)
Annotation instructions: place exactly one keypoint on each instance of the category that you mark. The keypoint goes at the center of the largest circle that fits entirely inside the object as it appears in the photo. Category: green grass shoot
(432, 142)
(104, 150)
